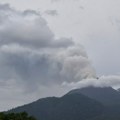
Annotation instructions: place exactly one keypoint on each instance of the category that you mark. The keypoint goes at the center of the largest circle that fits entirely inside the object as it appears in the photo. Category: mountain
(90, 103)
(106, 95)
(68, 107)
(118, 89)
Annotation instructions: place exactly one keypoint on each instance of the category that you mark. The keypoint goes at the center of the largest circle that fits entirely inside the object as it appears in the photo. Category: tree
(16, 116)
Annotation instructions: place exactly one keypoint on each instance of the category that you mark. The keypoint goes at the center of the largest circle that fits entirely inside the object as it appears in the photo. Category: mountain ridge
(75, 105)
(105, 95)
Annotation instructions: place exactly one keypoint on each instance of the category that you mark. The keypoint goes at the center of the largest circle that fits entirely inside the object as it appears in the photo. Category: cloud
(51, 12)
(60, 0)
(33, 62)
(31, 12)
(97, 27)
(55, 0)
(115, 22)
(103, 81)
(30, 53)
(82, 7)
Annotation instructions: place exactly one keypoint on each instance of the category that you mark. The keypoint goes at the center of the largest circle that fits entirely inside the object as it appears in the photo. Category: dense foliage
(16, 116)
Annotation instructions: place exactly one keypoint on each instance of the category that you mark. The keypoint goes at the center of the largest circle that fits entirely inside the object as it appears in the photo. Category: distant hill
(68, 107)
(106, 95)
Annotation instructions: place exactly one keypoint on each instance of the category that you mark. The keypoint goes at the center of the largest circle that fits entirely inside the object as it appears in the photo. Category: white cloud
(103, 81)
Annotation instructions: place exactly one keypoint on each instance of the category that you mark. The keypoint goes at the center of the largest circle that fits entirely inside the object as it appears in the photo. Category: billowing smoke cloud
(30, 54)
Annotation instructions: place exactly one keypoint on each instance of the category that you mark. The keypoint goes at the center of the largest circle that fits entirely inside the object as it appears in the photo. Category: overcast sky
(49, 47)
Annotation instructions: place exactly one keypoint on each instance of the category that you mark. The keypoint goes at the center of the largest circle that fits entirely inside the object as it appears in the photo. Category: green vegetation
(16, 116)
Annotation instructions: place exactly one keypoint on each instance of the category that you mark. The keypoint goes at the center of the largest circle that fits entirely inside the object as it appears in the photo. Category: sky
(50, 47)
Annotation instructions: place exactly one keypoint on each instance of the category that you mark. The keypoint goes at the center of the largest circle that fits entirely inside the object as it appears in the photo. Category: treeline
(16, 116)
